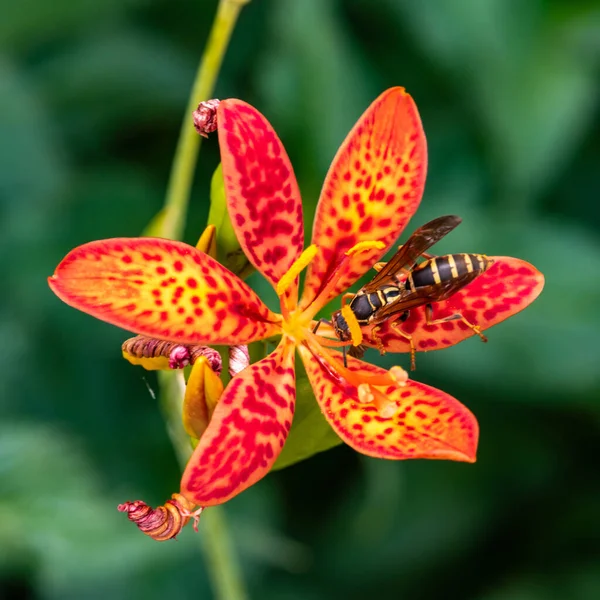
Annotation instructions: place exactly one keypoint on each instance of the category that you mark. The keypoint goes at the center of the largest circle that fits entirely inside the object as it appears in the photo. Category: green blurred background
(91, 100)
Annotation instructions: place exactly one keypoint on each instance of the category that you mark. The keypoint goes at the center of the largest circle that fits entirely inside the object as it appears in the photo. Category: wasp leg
(456, 317)
(345, 298)
(319, 324)
(406, 336)
(377, 339)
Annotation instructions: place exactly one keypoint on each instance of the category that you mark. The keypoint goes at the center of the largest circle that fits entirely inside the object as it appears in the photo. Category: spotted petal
(508, 287)
(428, 424)
(373, 188)
(247, 430)
(262, 193)
(162, 289)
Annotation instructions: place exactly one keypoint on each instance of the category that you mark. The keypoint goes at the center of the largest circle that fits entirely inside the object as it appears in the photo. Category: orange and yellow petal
(263, 198)
(162, 289)
(373, 188)
(428, 423)
(506, 288)
(247, 431)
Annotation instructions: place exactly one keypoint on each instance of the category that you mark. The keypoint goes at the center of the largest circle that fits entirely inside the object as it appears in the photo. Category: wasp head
(342, 331)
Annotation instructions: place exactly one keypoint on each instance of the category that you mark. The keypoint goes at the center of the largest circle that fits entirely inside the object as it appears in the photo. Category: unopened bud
(205, 117)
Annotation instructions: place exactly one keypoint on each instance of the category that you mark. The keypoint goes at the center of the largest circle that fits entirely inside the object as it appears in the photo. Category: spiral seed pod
(164, 522)
(239, 359)
(153, 354)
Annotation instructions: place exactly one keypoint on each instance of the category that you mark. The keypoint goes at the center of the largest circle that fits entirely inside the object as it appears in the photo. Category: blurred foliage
(91, 98)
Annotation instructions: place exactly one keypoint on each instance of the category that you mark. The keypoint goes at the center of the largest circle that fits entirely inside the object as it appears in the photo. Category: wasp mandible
(402, 284)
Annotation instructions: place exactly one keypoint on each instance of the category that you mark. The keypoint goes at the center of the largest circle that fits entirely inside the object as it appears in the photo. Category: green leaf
(156, 226)
(310, 432)
(229, 251)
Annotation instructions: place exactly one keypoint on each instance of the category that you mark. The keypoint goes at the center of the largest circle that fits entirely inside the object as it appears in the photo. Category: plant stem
(219, 554)
(188, 146)
(221, 560)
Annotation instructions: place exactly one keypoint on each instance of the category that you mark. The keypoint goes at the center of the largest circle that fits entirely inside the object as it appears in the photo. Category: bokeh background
(91, 100)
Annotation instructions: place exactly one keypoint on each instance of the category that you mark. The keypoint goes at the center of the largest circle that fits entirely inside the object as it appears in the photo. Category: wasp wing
(407, 255)
(423, 295)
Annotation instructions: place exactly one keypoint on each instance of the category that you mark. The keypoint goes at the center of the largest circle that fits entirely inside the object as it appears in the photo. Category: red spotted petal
(162, 289)
(428, 424)
(509, 286)
(262, 193)
(247, 430)
(373, 188)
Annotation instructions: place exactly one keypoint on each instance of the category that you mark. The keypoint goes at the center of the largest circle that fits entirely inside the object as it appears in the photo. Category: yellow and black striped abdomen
(445, 268)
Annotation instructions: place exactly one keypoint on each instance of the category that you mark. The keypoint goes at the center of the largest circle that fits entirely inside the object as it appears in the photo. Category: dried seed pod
(239, 359)
(164, 522)
(148, 352)
(205, 117)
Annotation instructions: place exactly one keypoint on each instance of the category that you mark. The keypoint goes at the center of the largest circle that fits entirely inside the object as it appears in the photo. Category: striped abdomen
(446, 268)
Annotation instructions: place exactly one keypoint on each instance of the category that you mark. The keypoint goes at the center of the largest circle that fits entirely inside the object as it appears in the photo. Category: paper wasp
(402, 284)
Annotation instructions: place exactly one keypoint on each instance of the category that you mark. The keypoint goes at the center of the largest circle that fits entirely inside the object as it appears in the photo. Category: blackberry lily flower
(171, 291)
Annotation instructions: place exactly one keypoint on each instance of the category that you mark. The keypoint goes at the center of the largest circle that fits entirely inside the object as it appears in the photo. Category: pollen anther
(353, 326)
(362, 246)
(399, 375)
(368, 394)
(365, 394)
(299, 265)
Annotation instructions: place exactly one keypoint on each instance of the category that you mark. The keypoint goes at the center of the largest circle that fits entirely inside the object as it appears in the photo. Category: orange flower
(171, 291)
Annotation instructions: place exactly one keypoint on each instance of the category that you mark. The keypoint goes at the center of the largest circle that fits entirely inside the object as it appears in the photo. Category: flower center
(296, 325)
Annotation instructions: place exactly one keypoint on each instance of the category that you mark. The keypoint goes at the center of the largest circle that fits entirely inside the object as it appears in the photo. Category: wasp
(402, 284)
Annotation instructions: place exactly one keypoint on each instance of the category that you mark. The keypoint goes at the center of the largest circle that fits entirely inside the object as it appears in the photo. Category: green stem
(221, 560)
(219, 554)
(188, 146)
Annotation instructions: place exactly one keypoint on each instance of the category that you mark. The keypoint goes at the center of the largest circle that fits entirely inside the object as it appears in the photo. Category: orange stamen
(323, 341)
(323, 297)
(350, 376)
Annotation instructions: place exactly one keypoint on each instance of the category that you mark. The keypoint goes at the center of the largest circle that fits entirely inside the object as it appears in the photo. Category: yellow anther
(388, 410)
(365, 393)
(300, 263)
(353, 326)
(368, 394)
(399, 375)
(362, 246)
